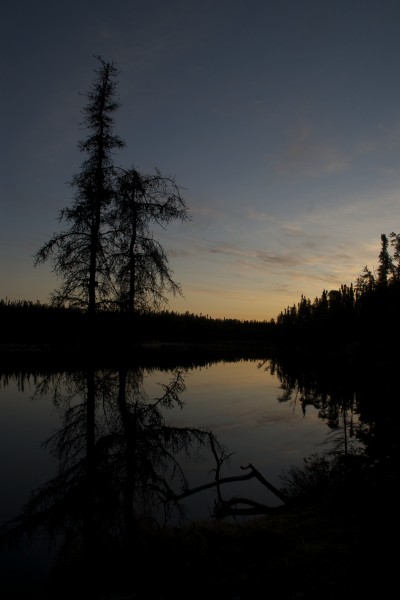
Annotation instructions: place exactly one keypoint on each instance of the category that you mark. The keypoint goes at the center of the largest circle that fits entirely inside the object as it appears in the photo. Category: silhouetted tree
(77, 253)
(385, 267)
(138, 263)
(108, 256)
(395, 243)
(366, 281)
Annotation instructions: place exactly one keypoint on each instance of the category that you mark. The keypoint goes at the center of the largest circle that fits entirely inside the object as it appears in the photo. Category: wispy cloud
(287, 260)
(304, 154)
(256, 215)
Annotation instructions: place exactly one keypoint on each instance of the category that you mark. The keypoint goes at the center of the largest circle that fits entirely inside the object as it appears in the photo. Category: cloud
(305, 152)
(286, 260)
(229, 250)
(305, 155)
(296, 232)
(259, 215)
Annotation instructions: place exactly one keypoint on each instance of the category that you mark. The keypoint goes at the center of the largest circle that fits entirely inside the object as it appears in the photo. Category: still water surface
(238, 401)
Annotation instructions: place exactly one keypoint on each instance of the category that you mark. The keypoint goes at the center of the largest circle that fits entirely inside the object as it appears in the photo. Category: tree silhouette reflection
(359, 407)
(119, 470)
(120, 479)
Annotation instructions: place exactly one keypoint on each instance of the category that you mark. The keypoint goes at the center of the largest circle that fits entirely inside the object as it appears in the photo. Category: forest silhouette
(351, 323)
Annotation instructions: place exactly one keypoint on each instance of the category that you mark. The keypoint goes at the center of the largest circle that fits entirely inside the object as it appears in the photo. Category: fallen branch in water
(266, 483)
(230, 507)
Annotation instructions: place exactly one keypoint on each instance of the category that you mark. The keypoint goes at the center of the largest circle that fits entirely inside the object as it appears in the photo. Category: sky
(279, 119)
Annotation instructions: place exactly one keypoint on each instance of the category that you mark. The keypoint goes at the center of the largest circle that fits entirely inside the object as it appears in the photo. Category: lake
(240, 401)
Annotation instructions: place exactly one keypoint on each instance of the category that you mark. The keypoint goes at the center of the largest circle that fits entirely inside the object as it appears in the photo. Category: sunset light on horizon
(280, 120)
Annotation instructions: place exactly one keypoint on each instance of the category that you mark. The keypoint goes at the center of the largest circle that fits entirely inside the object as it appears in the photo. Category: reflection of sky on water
(24, 462)
(238, 402)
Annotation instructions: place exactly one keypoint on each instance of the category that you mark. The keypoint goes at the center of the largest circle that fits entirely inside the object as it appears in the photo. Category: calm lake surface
(240, 402)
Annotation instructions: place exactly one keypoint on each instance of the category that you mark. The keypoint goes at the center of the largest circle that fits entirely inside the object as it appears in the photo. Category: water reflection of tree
(360, 409)
(336, 403)
(118, 462)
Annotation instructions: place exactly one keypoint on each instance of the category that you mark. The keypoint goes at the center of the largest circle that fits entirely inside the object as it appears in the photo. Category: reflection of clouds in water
(254, 422)
(290, 418)
(284, 415)
(239, 403)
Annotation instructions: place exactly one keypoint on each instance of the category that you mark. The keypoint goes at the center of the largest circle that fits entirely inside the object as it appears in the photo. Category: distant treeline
(366, 313)
(362, 314)
(27, 322)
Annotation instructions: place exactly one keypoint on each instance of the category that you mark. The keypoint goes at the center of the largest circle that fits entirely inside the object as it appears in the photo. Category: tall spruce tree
(107, 255)
(77, 253)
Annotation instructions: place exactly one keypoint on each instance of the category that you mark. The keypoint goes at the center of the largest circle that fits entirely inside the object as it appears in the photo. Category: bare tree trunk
(89, 498)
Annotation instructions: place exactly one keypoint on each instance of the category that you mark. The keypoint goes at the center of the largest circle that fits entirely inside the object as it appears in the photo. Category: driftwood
(232, 507)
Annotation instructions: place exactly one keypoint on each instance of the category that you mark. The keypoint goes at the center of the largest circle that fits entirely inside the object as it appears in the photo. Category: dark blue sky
(281, 119)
